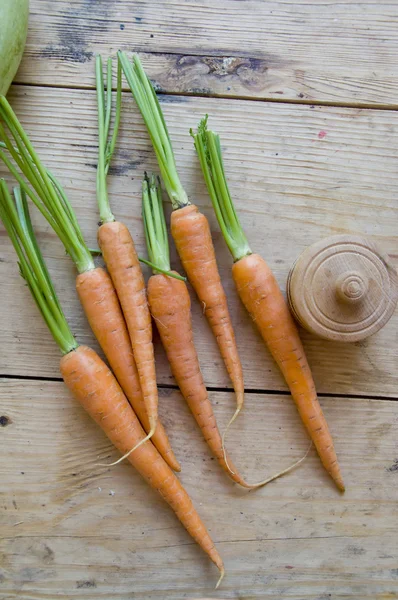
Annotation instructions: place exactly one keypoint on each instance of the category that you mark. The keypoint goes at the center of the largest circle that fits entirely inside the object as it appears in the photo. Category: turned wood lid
(343, 288)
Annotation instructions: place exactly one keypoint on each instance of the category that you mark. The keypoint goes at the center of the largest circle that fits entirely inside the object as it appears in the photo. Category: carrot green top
(208, 147)
(32, 267)
(150, 109)
(106, 145)
(155, 228)
(44, 189)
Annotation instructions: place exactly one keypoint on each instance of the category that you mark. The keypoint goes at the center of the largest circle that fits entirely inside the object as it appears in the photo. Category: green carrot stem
(106, 146)
(43, 189)
(156, 269)
(208, 148)
(112, 142)
(33, 269)
(148, 104)
(155, 229)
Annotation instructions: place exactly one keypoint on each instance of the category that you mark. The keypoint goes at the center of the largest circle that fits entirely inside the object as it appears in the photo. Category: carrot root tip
(284, 472)
(237, 411)
(222, 574)
(122, 458)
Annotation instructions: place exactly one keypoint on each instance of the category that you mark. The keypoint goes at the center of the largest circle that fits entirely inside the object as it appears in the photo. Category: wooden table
(304, 96)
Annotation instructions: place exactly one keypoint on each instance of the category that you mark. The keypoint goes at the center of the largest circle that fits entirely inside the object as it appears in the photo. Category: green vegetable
(13, 29)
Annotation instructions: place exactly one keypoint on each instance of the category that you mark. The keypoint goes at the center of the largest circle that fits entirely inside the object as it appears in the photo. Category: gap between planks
(295, 101)
(211, 388)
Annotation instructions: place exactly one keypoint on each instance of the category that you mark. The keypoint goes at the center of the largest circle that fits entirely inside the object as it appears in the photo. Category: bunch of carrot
(123, 400)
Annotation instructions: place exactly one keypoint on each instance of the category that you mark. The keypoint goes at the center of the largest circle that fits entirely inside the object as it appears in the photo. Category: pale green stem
(148, 104)
(208, 147)
(32, 266)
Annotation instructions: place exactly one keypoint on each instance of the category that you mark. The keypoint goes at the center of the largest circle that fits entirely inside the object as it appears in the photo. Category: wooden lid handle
(352, 287)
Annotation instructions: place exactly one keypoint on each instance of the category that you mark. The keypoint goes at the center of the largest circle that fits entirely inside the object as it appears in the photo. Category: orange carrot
(119, 253)
(94, 285)
(260, 293)
(170, 306)
(101, 305)
(94, 386)
(91, 381)
(189, 228)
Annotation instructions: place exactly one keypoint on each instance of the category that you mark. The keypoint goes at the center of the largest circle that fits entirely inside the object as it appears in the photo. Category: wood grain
(291, 189)
(341, 52)
(72, 529)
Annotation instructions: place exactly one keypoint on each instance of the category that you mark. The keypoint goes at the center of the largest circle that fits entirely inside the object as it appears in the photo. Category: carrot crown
(44, 189)
(106, 144)
(32, 267)
(148, 104)
(157, 241)
(208, 147)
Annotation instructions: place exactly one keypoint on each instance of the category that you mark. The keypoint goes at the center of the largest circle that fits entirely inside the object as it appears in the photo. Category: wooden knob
(352, 286)
(343, 288)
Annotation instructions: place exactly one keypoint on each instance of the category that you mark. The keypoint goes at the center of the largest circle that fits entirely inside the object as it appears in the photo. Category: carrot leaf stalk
(16, 219)
(42, 187)
(107, 143)
(150, 109)
(155, 228)
(208, 147)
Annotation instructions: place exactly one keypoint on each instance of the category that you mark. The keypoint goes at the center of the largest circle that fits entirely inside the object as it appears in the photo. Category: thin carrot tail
(253, 486)
(240, 396)
(122, 458)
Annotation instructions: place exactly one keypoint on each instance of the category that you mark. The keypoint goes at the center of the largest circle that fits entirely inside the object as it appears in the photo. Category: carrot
(94, 286)
(170, 306)
(119, 252)
(91, 381)
(190, 228)
(260, 293)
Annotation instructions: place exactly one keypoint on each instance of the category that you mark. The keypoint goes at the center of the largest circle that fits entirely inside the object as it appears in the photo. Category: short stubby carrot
(262, 297)
(101, 305)
(264, 301)
(94, 386)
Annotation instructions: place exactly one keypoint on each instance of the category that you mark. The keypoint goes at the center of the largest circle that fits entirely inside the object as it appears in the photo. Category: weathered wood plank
(291, 188)
(285, 49)
(72, 529)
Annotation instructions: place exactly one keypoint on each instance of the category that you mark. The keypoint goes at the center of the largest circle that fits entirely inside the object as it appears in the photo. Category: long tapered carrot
(170, 306)
(190, 228)
(91, 381)
(119, 252)
(94, 286)
(93, 384)
(260, 293)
